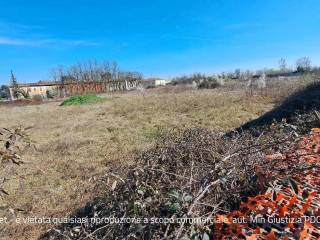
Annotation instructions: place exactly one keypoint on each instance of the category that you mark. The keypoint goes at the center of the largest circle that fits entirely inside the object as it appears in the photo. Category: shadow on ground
(303, 102)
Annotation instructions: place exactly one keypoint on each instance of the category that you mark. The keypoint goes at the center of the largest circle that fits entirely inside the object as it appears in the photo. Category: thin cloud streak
(11, 41)
(18, 26)
(13, 34)
(44, 42)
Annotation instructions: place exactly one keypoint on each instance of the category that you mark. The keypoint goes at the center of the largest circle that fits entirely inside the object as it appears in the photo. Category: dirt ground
(75, 144)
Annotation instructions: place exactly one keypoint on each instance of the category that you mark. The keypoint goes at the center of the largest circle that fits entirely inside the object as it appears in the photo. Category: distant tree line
(303, 65)
(93, 70)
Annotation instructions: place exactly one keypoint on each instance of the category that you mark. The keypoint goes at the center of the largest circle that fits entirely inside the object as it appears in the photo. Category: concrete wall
(39, 90)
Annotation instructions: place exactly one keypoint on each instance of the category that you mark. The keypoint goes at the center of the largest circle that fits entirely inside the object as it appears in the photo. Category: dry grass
(76, 144)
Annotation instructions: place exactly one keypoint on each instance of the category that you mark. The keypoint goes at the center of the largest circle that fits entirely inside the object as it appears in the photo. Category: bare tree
(261, 83)
(237, 73)
(115, 71)
(303, 64)
(93, 71)
(283, 65)
(58, 73)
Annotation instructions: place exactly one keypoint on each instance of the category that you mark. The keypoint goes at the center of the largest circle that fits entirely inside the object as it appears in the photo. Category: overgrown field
(76, 144)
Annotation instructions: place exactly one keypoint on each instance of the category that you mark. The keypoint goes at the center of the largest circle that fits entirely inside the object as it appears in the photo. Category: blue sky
(159, 37)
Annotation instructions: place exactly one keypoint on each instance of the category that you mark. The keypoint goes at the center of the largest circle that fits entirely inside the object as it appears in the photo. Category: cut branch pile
(192, 174)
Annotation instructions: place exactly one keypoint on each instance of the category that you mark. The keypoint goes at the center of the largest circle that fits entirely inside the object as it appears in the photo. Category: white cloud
(12, 41)
(44, 42)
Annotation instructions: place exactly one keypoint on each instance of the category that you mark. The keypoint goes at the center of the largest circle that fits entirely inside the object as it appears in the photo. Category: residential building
(154, 82)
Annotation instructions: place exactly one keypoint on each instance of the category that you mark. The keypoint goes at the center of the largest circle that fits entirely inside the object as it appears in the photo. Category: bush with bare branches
(12, 143)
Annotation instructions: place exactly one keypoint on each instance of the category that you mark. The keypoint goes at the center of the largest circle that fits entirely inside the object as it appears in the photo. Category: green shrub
(81, 99)
(4, 92)
(208, 84)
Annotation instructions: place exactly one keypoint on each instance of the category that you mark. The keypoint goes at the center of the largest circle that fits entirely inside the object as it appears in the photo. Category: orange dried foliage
(292, 203)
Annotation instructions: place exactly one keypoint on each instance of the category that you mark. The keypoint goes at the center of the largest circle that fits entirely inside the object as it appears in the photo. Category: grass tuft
(81, 99)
